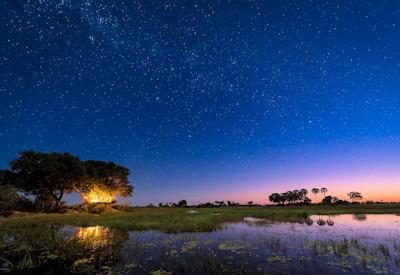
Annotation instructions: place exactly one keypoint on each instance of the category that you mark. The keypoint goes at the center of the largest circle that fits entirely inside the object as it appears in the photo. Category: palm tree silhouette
(315, 191)
(324, 191)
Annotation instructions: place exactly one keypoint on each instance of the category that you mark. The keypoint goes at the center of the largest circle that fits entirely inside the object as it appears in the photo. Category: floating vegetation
(231, 246)
(280, 259)
(189, 246)
(237, 248)
(161, 272)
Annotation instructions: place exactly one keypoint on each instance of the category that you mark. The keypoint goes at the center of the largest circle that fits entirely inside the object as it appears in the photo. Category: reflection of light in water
(94, 236)
(97, 195)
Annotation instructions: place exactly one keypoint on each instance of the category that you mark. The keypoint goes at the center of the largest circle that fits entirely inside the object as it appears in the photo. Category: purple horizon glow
(367, 168)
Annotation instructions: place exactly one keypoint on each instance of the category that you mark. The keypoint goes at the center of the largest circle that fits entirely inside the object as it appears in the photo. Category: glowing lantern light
(97, 195)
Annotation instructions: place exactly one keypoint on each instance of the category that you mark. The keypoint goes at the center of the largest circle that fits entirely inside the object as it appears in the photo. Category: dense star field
(208, 100)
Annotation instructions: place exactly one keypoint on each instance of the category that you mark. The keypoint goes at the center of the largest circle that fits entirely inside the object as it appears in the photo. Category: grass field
(181, 220)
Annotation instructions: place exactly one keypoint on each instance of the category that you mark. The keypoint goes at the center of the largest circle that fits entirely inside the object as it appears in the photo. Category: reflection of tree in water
(320, 221)
(60, 249)
(360, 217)
(309, 221)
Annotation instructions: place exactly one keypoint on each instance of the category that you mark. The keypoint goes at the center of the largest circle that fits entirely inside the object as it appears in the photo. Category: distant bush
(126, 207)
(182, 203)
(205, 205)
(342, 202)
(97, 208)
(26, 205)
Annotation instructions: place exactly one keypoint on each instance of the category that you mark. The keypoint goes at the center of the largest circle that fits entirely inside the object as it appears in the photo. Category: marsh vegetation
(357, 244)
(40, 234)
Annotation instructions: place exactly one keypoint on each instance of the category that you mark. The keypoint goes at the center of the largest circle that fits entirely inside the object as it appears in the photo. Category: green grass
(207, 219)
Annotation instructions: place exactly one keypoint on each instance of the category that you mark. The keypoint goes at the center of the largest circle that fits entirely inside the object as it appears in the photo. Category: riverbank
(192, 219)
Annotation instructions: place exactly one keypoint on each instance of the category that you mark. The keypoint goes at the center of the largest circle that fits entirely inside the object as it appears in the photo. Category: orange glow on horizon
(387, 190)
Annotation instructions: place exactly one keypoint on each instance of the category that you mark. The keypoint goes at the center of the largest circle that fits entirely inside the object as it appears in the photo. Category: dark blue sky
(196, 96)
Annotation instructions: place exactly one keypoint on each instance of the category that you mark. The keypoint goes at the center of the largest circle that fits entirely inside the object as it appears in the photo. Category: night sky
(208, 100)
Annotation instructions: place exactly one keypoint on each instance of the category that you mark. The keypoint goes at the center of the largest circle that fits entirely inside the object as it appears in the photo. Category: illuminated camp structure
(97, 195)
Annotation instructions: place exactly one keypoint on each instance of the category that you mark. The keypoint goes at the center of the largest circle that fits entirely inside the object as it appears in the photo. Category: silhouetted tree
(182, 203)
(355, 196)
(315, 191)
(275, 198)
(291, 197)
(328, 200)
(46, 176)
(107, 176)
(324, 191)
(307, 200)
(232, 203)
(303, 196)
(207, 204)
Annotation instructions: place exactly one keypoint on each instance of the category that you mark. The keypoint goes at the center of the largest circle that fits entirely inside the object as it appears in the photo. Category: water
(354, 244)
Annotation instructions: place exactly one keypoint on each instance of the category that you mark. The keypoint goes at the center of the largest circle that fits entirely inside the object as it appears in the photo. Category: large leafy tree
(46, 176)
(107, 176)
(295, 196)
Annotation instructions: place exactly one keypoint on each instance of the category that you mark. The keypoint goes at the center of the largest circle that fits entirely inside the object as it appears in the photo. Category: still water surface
(352, 244)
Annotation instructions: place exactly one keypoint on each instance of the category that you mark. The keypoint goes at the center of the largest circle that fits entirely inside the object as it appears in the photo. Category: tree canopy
(295, 196)
(354, 196)
(108, 176)
(46, 177)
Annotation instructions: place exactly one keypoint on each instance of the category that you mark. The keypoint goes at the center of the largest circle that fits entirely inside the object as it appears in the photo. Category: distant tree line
(181, 203)
(300, 197)
(221, 203)
(39, 181)
(290, 197)
(294, 197)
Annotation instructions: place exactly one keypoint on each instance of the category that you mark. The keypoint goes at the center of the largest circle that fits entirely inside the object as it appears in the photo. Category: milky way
(179, 90)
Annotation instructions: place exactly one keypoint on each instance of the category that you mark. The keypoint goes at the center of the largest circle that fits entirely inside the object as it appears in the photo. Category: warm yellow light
(93, 236)
(90, 232)
(97, 195)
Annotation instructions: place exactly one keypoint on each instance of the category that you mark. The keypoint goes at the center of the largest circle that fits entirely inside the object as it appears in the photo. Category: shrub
(97, 208)
(8, 199)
